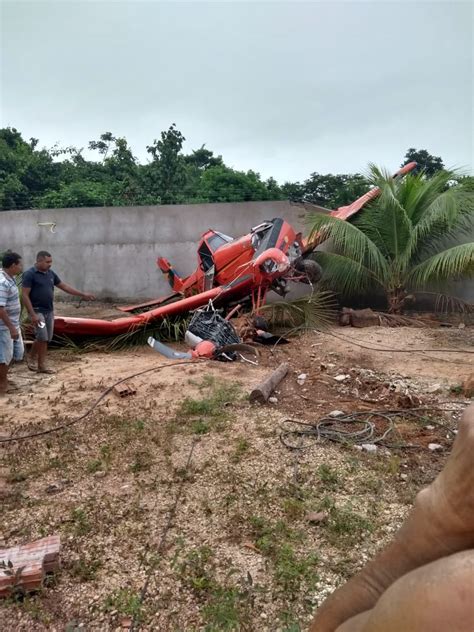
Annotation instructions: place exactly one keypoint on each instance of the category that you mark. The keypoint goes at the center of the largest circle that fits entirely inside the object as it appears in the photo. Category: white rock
(341, 377)
(429, 427)
(302, 376)
(434, 388)
(369, 447)
(336, 413)
(434, 446)
(273, 400)
(404, 477)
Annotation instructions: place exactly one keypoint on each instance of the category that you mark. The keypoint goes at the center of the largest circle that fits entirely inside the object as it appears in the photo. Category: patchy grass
(277, 541)
(240, 543)
(32, 606)
(201, 427)
(86, 569)
(345, 526)
(94, 466)
(196, 569)
(328, 476)
(209, 412)
(141, 462)
(80, 522)
(227, 603)
(294, 508)
(125, 602)
(241, 448)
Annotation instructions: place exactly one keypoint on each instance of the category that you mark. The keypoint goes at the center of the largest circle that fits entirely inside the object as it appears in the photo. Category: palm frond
(379, 176)
(449, 265)
(316, 312)
(417, 192)
(166, 330)
(450, 214)
(447, 304)
(346, 276)
(388, 224)
(349, 241)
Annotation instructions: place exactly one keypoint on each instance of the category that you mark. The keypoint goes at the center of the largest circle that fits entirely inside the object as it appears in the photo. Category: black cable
(358, 344)
(96, 403)
(329, 427)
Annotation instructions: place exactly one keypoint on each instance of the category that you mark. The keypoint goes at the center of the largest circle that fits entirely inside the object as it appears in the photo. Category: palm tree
(406, 240)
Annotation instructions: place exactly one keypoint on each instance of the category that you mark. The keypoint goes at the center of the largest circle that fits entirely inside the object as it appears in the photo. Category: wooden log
(262, 391)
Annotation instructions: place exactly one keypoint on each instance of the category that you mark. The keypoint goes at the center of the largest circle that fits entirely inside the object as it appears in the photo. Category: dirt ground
(181, 509)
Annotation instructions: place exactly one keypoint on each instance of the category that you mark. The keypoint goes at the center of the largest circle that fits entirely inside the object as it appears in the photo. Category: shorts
(9, 348)
(45, 333)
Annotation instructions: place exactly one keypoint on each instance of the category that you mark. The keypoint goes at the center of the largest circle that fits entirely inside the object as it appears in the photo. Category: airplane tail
(175, 281)
(345, 212)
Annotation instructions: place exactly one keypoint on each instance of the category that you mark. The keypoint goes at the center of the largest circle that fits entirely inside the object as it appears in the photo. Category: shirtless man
(423, 581)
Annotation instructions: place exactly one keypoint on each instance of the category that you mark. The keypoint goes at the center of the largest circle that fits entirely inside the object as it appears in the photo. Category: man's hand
(14, 332)
(35, 319)
(88, 297)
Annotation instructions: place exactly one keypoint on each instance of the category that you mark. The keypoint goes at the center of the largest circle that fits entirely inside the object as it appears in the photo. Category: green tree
(203, 158)
(77, 194)
(426, 162)
(294, 191)
(402, 242)
(25, 172)
(166, 174)
(222, 184)
(332, 191)
(467, 183)
(274, 191)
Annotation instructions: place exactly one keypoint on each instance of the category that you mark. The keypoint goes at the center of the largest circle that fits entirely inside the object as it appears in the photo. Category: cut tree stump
(262, 391)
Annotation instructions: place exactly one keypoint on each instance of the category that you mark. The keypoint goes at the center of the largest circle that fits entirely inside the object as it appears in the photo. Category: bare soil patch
(186, 488)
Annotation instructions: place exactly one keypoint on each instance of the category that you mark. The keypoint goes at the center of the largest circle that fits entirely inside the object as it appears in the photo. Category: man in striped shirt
(11, 343)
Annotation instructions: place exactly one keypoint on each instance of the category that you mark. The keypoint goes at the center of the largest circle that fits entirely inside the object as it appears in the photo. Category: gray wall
(111, 251)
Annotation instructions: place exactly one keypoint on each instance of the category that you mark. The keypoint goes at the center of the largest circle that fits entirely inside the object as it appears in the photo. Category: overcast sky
(284, 88)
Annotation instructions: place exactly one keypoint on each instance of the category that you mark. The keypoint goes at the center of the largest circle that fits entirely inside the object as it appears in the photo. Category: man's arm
(25, 291)
(6, 319)
(71, 290)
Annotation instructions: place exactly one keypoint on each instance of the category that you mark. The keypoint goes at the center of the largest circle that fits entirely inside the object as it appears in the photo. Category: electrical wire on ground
(358, 344)
(341, 429)
(76, 420)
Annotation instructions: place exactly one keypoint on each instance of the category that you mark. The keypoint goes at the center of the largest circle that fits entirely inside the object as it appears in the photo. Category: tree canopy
(61, 177)
(427, 163)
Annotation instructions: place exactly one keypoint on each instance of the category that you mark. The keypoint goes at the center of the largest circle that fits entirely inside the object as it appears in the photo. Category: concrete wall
(111, 251)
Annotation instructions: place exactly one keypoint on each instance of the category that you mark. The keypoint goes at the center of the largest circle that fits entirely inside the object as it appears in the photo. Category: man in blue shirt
(38, 297)
(11, 343)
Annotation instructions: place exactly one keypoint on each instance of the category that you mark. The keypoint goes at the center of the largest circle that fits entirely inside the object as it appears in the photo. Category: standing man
(38, 297)
(11, 343)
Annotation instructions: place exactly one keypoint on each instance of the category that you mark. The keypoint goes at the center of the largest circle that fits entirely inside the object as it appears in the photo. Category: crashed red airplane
(229, 271)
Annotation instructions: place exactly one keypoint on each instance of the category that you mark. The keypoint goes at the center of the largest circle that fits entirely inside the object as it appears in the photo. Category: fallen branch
(262, 391)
